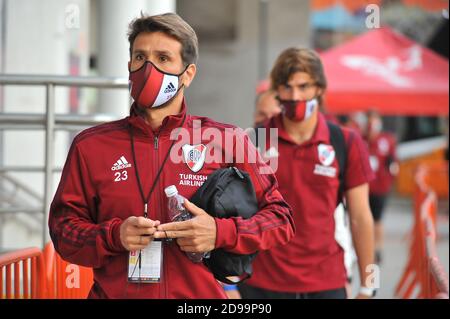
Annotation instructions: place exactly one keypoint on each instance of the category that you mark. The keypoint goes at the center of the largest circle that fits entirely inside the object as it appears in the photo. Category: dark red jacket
(97, 192)
(382, 151)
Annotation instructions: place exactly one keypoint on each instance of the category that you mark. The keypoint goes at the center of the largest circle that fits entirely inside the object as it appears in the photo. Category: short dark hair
(172, 25)
(294, 60)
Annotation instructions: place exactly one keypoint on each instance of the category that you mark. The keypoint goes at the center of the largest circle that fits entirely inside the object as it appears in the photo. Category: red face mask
(297, 110)
(151, 87)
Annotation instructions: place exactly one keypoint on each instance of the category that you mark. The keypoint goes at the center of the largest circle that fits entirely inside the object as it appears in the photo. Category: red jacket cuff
(116, 243)
(226, 233)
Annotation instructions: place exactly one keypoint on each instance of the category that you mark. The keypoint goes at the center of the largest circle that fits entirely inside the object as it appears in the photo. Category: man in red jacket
(311, 265)
(383, 160)
(109, 211)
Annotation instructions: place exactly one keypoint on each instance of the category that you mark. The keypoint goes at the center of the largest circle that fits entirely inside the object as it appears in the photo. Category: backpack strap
(337, 140)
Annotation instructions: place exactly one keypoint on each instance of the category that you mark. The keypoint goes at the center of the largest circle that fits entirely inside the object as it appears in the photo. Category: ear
(189, 75)
(129, 64)
(320, 92)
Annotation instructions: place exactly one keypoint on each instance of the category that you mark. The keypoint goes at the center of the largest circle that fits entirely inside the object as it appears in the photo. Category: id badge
(146, 266)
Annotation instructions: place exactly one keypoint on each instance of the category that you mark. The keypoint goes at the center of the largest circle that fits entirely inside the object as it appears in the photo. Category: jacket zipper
(163, 220)
(158, 203)
(159, 208)
(156, 142)
(155, 203)
(165, 254)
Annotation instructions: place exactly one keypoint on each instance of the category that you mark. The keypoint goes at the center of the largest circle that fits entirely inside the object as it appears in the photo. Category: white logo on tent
(387, 69)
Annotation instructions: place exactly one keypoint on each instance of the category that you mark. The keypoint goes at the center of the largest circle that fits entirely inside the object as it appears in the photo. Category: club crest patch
(326, 154)
(194, 156)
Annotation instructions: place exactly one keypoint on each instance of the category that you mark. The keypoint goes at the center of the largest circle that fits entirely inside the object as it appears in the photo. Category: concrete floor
(398, 221)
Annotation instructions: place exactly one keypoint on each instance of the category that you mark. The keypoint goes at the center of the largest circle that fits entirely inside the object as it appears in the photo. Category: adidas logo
(170, 88)
(121, 163)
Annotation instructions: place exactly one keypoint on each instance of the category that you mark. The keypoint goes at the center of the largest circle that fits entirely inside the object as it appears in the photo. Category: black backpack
(337, 140)
(228, 192)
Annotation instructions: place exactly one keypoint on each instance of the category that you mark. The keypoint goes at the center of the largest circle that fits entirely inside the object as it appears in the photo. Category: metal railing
(50, 122)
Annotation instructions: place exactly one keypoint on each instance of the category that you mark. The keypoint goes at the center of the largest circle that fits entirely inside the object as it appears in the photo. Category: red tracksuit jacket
(99, 189)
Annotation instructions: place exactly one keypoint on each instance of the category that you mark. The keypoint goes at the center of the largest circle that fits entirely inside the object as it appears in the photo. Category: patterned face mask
(151, 87)
(298, 110)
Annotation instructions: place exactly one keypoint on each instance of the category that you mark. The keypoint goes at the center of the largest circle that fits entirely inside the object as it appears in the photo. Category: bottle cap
(171, 191)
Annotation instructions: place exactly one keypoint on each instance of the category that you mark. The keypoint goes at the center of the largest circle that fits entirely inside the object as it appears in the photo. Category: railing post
(49, 155)
(50, 122)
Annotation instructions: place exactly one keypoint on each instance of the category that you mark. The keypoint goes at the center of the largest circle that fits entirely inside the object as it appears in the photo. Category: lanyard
(141, 189)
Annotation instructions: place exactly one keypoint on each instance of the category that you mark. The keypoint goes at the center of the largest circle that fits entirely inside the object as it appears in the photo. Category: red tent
(386, 71)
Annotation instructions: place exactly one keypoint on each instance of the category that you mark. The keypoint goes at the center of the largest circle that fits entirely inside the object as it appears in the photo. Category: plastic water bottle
(178, 213)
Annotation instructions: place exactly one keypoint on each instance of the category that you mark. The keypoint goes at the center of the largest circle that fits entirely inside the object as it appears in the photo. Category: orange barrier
(423, 271)
(36, 274)
(66, 280)
(29, 268)
(437, 176)
(440, 281)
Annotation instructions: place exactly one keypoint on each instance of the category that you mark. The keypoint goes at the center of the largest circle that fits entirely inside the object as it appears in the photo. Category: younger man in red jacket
(311, 265)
